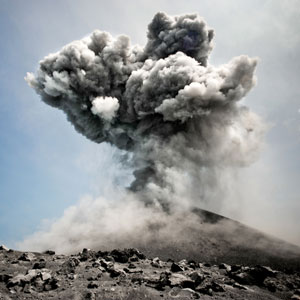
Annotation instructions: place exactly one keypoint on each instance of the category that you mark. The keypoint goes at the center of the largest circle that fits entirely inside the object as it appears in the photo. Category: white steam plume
(105, 107)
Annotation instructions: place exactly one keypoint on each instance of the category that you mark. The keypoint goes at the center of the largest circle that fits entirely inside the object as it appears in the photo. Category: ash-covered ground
(129, 274)
(237, 262)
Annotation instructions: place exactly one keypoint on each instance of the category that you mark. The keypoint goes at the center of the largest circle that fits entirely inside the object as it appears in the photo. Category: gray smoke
(178, 116)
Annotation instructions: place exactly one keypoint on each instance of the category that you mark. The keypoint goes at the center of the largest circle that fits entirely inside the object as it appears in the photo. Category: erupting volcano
(186, 133)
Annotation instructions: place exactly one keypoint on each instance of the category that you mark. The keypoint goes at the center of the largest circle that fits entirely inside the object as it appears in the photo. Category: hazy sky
(46, 166)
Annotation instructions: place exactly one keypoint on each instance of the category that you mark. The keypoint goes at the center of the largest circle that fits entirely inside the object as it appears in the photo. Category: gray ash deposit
(128, 275)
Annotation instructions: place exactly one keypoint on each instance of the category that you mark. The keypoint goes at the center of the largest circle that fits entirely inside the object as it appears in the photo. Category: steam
(105, 108)
(178, 116)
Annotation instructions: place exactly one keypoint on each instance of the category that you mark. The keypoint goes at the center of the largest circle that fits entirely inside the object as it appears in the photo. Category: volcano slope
(236, 262)
(217, 239)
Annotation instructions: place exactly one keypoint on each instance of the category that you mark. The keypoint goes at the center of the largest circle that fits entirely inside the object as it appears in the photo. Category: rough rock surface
(128, 274)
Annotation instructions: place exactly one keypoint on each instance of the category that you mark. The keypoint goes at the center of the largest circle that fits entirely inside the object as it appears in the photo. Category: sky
(45, 166)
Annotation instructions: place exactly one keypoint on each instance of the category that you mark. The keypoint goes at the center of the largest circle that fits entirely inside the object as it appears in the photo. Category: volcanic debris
(129, 274)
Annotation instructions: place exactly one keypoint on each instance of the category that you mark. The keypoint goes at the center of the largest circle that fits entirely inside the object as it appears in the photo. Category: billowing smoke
(178, 116)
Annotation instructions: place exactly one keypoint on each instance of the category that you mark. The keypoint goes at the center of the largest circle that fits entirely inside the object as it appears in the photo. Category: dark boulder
(86, 254)
(70, 265)
(120, 256)
(196, 277)
(92, 285)
(3, 248)
(176, 268)
(5, 278)
(39, 265)
(49, 252)
(27, 256)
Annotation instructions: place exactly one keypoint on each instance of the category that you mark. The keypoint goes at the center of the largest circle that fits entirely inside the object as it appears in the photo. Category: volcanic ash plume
(177, 115)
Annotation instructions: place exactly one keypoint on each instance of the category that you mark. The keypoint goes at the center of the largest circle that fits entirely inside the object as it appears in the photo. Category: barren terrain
(129, 274)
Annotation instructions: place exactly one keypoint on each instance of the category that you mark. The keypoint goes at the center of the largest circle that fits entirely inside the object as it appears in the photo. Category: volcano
(227, 261)
(186, 134)
(218, 239)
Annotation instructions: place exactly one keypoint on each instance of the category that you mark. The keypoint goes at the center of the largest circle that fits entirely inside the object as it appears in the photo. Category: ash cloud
(178, 116)
(163, 102)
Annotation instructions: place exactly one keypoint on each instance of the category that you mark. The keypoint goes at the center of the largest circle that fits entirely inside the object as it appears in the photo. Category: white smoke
(105, 107)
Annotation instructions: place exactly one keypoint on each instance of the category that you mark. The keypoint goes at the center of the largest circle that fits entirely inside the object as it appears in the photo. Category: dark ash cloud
(178, 115)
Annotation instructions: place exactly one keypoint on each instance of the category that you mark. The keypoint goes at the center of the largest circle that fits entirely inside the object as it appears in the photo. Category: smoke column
(178, 116)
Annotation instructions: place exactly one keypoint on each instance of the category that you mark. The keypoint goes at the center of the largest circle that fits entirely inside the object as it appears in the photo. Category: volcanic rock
(103, 275)
(251, 276)
(3, 248)
(27, 256)
(185, 293)
(196, 277)
(92, 285)
(120, 256)
(50, 252)
(156, 263)
(178, 279)
(239, 286)
(5, 277)
(39, 265)
(176, 268)
(70, 265)
(225, 267)
(86, 254)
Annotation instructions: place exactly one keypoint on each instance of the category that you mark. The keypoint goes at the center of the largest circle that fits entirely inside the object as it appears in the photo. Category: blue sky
(46, 166)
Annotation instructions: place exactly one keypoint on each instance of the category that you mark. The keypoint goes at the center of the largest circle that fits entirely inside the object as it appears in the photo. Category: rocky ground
(129, 274)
